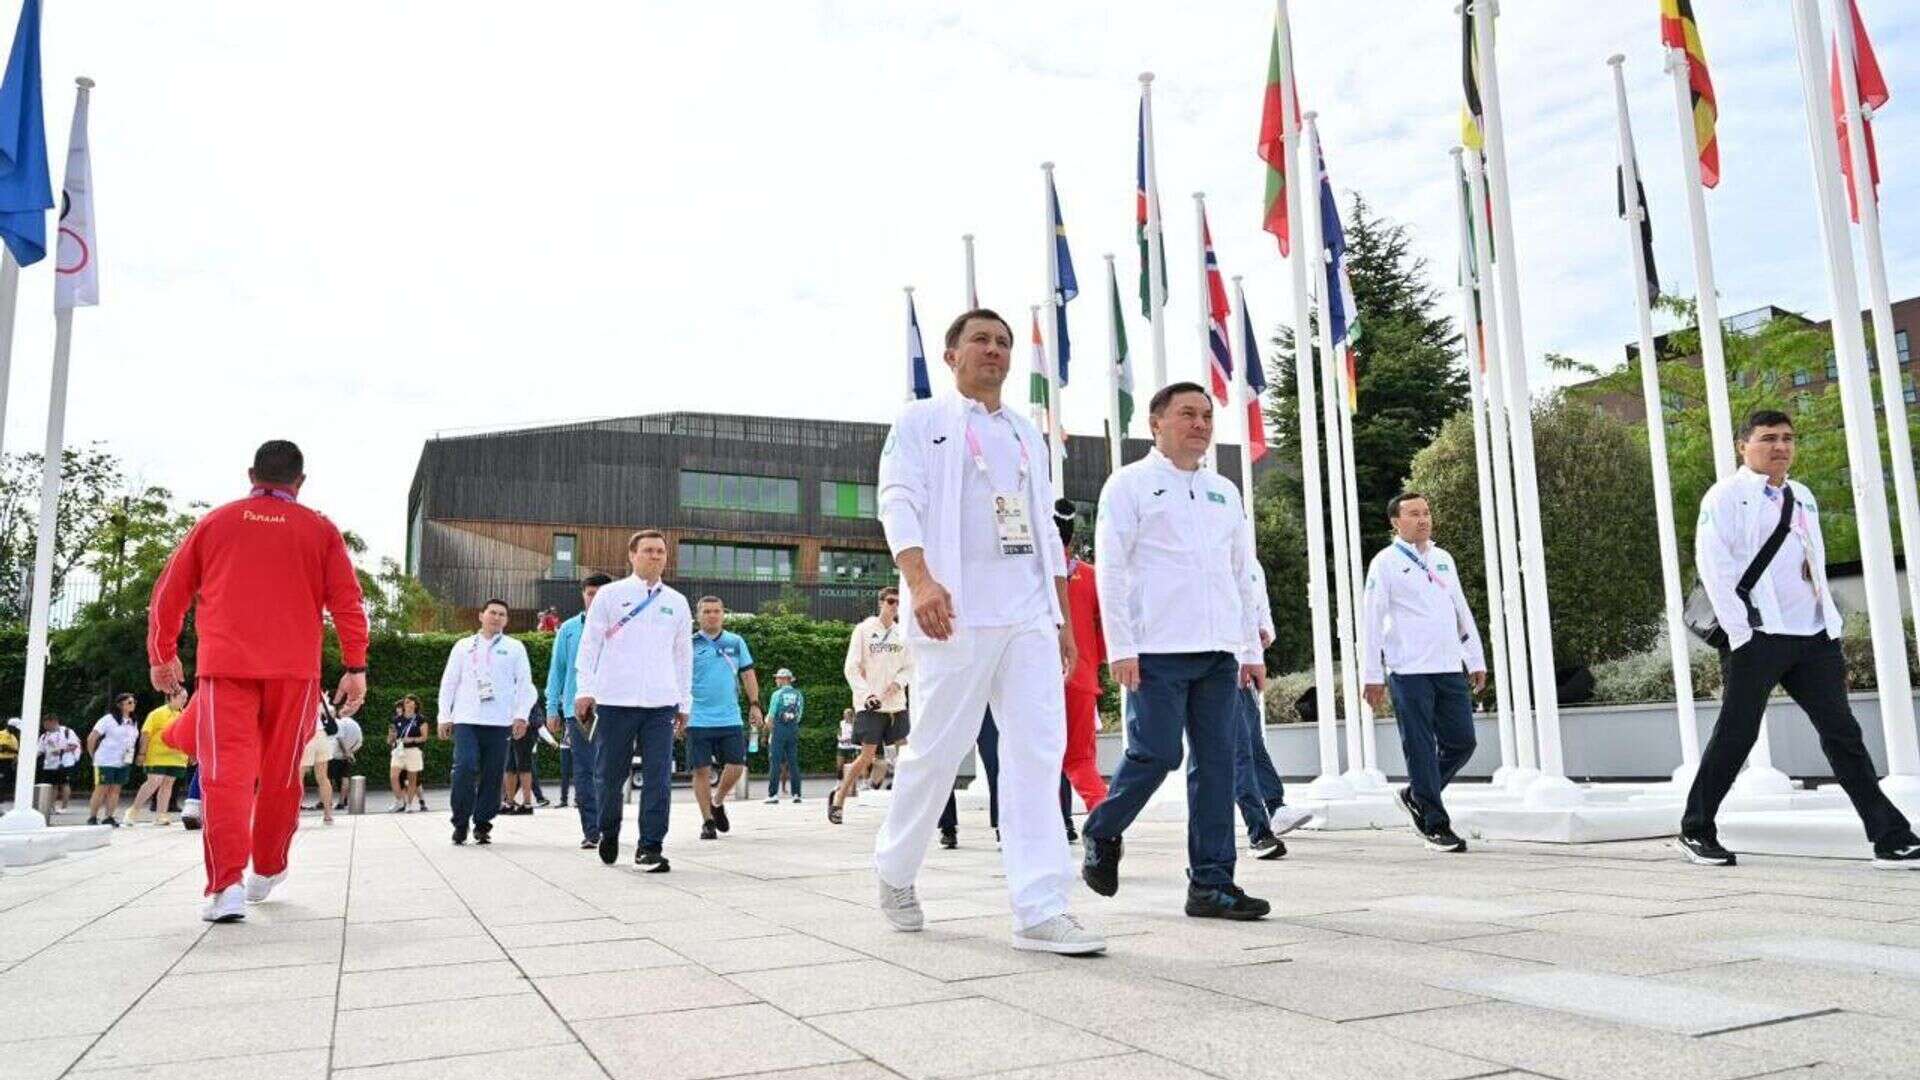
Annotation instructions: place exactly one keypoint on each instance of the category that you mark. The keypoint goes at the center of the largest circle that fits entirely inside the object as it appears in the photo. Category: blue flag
(1339, 295)
(1250, 349)
(1066, 288)
(919, 387)
(26, 193)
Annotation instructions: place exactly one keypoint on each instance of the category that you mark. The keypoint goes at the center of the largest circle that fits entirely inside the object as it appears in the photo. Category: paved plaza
(391, 953)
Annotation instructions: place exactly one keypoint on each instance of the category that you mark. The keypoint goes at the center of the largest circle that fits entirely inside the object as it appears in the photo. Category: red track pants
(247, 735)
(1082, 764)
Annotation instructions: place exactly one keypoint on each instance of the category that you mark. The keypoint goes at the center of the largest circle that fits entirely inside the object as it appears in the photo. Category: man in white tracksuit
(962, 480)
(486, 693)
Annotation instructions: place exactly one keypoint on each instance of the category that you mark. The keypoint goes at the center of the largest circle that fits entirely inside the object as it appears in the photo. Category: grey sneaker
(901, 907)
(1288, 818)
(1061, 934)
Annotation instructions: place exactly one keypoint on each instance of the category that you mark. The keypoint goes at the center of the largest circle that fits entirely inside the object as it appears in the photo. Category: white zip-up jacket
(644, 662)
(919, 497)
(1175, 548)
(1420, 625)
(503, 661)
(879, 663)
(1736, 517)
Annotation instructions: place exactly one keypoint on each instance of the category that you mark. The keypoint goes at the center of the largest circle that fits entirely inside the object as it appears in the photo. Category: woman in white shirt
(111, 742)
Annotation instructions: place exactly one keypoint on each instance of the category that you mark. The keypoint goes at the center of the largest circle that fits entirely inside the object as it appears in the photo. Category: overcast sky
(358, 225)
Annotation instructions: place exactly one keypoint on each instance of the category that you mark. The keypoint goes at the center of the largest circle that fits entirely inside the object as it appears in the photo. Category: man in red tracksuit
(259, 573)
(1081, 765)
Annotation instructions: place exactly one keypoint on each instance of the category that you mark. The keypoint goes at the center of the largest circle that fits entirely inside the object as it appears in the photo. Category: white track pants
(1016, 671)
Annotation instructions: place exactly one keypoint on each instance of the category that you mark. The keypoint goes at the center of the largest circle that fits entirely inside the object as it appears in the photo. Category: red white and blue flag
(1256, 385)
(1217, 314)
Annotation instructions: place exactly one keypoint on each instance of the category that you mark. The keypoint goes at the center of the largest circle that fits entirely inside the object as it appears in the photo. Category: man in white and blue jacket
(562, 683)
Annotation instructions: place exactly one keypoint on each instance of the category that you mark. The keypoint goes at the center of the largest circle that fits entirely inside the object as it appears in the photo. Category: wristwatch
(362, 670)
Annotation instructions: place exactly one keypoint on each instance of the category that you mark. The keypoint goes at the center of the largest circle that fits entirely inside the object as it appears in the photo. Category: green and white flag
(1037, 382)
(1123, 364)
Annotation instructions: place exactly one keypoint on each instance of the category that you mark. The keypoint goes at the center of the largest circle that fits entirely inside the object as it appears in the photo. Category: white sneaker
(228, 905)
(901, 907)
(773, 800)
(259, 887)
(1061, 934)
(1288, 818)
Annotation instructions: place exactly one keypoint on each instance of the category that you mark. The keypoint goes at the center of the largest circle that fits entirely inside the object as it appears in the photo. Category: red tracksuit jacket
(1083, 604)
(263, 570)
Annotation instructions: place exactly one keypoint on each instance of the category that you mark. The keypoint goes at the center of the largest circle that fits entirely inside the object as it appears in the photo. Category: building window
(1803, 403)
(1906, 387)
(847, 567)
(735, 562)
(1801, 378)
(1900, 347)
(728, 491)
(840, 499)
(1833, 368)
(564, 566)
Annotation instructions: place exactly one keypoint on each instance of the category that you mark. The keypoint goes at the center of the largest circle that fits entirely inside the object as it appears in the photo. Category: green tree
(91, 483)
(1603, 560)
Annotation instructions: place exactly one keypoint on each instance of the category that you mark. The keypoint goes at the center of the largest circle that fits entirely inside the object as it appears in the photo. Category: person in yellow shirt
(9, 757)
(161, 762)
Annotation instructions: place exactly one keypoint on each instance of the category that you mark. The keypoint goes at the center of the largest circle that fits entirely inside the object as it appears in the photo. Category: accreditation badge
(1012, 524)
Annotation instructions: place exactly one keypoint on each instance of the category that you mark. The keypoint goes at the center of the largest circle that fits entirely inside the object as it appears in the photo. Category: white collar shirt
(1736, 517)
(1416, 617)
(636, 649)
(487, 682)
(117, 739)
(999, 590)
(1175, 551)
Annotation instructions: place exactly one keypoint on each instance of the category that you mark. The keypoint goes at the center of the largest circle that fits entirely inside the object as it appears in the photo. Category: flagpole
(973, 294)
(1713, 355)
(1212, 459)
(1116, 434)
(1314, 235)
(1369, 736)
(1050, 337)
(1677, 633)
(1156, 243)
(908, 289)
(1903, 745)
(1552, 788)
(1329, 784)
(1482, 466)
(1500, 445)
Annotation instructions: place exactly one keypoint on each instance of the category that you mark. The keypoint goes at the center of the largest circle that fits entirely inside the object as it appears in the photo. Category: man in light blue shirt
(563, 684)
(785, 709)
(721, 663)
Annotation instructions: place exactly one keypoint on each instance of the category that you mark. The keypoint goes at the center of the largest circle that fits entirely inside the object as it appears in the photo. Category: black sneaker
(707, 831)
(459, 835)
(111, 822)
(483, 833)
(191, 824)
(1100, 867)
(563, 802)
(1705, 851)
(651, 862)
(543, 804)
(1224, 902)
(422, 804)
(949, 839)
(1901, 857)
(588, 843)
(1269, 847)
(609, 844)
(720, 818)
(1405, 796)
(1444, 839)
(1073, 835)
(93, 821)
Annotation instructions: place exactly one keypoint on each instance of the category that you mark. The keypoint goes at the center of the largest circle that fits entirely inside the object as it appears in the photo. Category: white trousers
(1016, 671)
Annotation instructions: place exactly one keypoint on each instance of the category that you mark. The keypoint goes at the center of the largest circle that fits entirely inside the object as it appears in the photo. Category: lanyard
(273, 493)
(652, 595)
(714, 644)
(980, 457)
(1418, 561)
(481, 648)
(1801, 532)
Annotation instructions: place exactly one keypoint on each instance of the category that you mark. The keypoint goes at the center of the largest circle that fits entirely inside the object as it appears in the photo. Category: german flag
(1472, 114)
(1678, 31)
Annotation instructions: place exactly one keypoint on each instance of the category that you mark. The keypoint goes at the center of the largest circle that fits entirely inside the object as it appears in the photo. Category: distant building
(755, 509)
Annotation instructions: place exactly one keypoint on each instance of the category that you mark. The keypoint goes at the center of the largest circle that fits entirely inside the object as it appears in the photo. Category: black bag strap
(1765, 555)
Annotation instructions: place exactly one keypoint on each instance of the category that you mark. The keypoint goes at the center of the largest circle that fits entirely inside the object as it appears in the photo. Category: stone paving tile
(1865, 1046)
(1594, 953)
(435, 983)
(150, 1035)
(534, 1063)
(847, 987)
(1808, 987)
(44, 1059)
(1291, 1046)
(763, 953)
(1623, 999)
(565, 932)
(290, 1065)
(708, 1042)
(961, 1038)
(426, 952)
(588, 957)
(633, 993)
(226, 949)
(1118, 1067)
(220, 988)
(381, 1036)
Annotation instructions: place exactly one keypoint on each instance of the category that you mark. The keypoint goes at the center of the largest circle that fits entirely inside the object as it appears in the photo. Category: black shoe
(1444, 839)
(483, 833)
(833, 810)
(949, 838)
(1269, 847)
(459, 834)
(110, 822)
(191, 824)
(1073, 834)
(1100, 868)
(422, 804)
(1405, 795)
(543, 804)
(707, 831)
(720, 818)
(1898, 857)
(563, 803)
(609, 844)
(1224, 902)
(651, 862)
(1706, 852)
(588, 843)
(93, 820)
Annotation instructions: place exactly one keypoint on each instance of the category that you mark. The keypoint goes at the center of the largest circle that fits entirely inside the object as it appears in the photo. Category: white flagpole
(29, 732)
(1115, 433)
(1677, 634)
(908, 289)
(1329, 784)
(1856, 391)
(1482, 464)
(1206, 310)
(1050, 336)
(1369, 737)
(1513, 618)
(1713, 354)
(973, 293)
(1156, 246)
(1242, 394)
(1314, 234)
(1552, 788)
